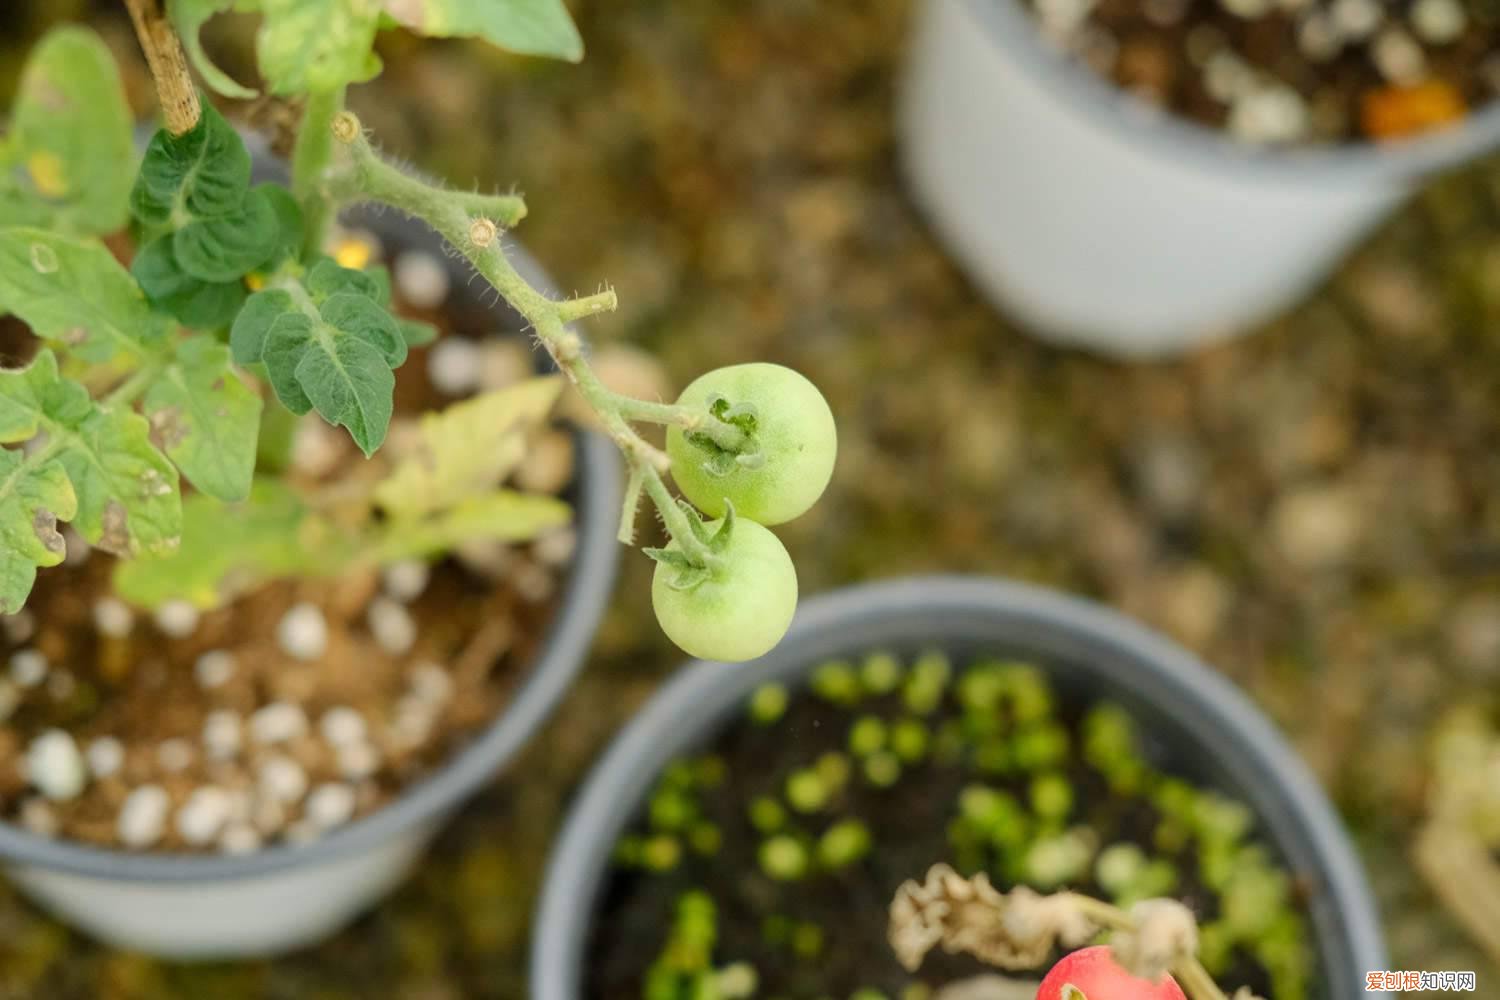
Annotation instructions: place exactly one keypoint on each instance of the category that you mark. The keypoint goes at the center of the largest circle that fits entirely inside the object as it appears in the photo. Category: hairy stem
(310, 158)
(722, 433)
(466, 222)
(175, 89)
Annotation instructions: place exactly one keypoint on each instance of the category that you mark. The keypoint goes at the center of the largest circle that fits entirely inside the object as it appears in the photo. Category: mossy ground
(1313, 508)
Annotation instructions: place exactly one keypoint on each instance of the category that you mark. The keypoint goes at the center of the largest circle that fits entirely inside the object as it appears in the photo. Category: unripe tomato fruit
(1093, 974)
(794, 432)
(742, 610)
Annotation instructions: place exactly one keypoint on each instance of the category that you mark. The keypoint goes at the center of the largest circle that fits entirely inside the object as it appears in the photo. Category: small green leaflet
(201, 305)
(467, 449)
(502, 515)
(33, 498)
(206, 419)
(327, 344)
(530, 27)
(315, 46)
(204, 173)
(229, 548)
(73, 293)
(189, 17)
(63, 165)
(126, 490)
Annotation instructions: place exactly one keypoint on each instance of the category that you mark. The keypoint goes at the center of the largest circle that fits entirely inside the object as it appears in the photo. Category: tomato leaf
(33, 498)
(530, 27)
(311, 46)
(72, 292)
(63, 165)
(205, 419)
(190, 16)
(202, 305)
(204, 172)
(467, 449)
(227, 247)
(500, 515)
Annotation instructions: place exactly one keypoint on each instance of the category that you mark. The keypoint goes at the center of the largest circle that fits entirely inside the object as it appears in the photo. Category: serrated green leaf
(190, 16)
(350, 384)
(204, 173)
(501, 515)
(229, 548)
(126, 490)
(314, 46)
(285, 345)
(467, 449)
(65, 163)
(531, 27)
(202, 305)
(34, 496)
(73, 292)
(247, 337)
(206, 419)
(128, 499)
(36, 394)
(227, 247)
(360, 317)
(289, 223)
(328, 278)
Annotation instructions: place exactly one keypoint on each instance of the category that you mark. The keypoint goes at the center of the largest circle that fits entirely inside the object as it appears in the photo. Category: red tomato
(1093, 974)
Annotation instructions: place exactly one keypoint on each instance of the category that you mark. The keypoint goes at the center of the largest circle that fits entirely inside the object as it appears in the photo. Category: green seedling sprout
(1038, 745)
(909, 739)
(784, 858)
(837, 682)
(768, 704)
(882, 769)
(867, 735)
(833, 769)
(705, 838)
(767, 815)
(927, 683)
(807, 791)
(880, 673)
(661, 853)
(843, 844)
(1051, 797)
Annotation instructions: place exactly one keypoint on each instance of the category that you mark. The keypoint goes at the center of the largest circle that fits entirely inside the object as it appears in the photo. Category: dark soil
(909, 822)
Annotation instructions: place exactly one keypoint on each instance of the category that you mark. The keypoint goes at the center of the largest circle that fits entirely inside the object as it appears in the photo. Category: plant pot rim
(964, 611)
(1010, 29)
(583, 600)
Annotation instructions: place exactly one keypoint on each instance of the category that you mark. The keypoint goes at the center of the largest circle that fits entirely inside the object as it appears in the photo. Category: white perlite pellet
(405, 580)
(1398, 57)
(214, 668)
(392, 626)
(39, 817)
(1318, 39)
(222, 736)
(28, 667)
(281, 779)
(113, 617)
(303, 632)
(555, 548)
(278, 722)
(1227, 77)
(1357, 19)
(174, 755)
(54, 766)
(342, 726)
(430, 683)
(330, 805)
(1438, 22)
(422, 279)
(304, 831)
(239, 838)
(178, 619)
(203, 815)
(19, 627)
(1247, 10)
(454, 366)
(61, 685)
(1274, 114)
(105, 756)
(316, 448)
(143, 816)
(357, 760)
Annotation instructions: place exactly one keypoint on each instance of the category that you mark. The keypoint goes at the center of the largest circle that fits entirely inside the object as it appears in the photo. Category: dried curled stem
(1021, 929)
(169, 69)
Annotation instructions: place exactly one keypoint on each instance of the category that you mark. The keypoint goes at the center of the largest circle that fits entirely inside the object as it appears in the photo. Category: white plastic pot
(204, 906)
(1098, 221)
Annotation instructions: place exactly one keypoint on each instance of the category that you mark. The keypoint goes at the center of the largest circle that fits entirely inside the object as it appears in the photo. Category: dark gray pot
(287, 896)
(1201, 719)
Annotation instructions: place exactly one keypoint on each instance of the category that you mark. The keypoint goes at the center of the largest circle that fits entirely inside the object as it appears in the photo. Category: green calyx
(691, 572)
(721, 461)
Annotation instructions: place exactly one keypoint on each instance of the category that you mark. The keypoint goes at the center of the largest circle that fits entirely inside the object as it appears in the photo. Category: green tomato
(791, 426)
(742, 609)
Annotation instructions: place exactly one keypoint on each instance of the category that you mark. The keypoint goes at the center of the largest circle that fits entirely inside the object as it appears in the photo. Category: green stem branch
(471, 224)
(310, 159)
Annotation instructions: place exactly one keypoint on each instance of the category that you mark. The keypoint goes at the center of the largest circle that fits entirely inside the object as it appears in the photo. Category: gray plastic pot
(1205, 725)
(202, 906)
(1100, 222)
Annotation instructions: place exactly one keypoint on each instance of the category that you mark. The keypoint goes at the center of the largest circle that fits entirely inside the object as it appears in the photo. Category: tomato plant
(163, 372)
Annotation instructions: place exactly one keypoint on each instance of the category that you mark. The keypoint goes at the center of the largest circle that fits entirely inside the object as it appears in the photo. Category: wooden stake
(175, 89)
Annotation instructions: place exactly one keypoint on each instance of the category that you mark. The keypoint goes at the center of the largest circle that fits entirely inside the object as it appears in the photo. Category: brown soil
(479, 621)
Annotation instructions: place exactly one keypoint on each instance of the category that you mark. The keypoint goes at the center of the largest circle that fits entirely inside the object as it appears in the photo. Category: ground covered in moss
(1315, 509)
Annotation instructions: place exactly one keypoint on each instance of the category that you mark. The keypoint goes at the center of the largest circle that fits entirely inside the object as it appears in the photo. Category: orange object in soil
(1397, 112)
